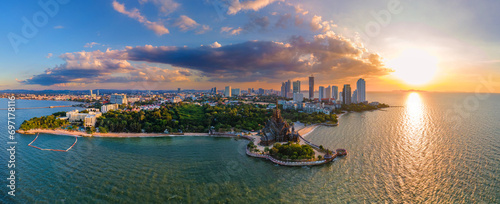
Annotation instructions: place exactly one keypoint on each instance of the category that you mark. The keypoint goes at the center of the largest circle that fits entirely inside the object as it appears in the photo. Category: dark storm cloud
(328, 56)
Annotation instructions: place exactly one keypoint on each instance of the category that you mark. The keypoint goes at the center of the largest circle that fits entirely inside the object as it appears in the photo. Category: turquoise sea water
(422, 151)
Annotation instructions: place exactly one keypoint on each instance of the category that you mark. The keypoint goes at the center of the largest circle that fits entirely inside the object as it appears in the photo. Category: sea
(426, 148)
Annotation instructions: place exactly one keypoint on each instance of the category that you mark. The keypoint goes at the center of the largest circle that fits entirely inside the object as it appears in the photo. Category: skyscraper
(346, 94)
(328, 92)
(90, 92)
(296, 86)
(235, 92)
(361, 87)
(249, 91)
(311, 87)
(288, 89)
(335, 92)
(227, 91)
(283, 89)
(355, 96)
(321, 93)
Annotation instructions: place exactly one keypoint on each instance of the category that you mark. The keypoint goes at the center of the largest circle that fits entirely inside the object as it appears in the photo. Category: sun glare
(414, 66)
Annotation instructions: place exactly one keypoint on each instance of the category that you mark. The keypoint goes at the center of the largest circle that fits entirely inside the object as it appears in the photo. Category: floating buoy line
(56, 150)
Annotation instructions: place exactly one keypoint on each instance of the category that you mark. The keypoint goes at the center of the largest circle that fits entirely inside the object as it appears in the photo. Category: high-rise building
(98, 92)
(249, 91)
(91, 92)
(311, 87)
(118, 99)
(328, 92)
(296, 86)
(346, 94)
(321, 93)
(227, 91)
(355, 96)
(178, 90)
(288, 89)
(261, 91)
(361, 87)
(335, 92)
(215, 90)
(283, 89)
(235, 92)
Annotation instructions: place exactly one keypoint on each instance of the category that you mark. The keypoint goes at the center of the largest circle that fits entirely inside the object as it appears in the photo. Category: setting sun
(414, 66)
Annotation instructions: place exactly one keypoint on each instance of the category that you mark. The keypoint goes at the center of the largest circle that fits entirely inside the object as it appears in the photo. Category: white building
(227, 91)
(335, 92)
(328, 92)
(321, 93)
(235, 92)
(118, 99)
(108, 107)
(177, 99)
(355, 96)
(298, 97)
(361, 94)
(88, 119)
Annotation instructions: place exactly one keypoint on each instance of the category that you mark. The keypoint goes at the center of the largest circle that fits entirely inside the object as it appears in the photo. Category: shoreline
(110, 135)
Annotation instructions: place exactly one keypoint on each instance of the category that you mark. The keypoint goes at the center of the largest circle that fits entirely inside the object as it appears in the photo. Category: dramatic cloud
(98, 67)
(235, 5)
(165, 6)
(157, 27)
(328, 56)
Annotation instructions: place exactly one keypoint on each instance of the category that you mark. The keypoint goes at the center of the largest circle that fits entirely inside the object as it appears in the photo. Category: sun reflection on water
(414, 112)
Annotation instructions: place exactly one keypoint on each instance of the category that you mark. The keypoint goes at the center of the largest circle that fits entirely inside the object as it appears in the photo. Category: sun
(414, 66)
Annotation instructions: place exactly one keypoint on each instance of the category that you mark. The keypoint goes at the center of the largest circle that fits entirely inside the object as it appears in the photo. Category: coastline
(304, 132)
(113, 135)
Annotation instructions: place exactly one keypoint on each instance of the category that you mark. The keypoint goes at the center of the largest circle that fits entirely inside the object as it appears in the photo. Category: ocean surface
(430, 148)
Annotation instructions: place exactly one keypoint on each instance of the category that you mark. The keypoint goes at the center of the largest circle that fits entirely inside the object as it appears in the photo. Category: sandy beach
(83, 134)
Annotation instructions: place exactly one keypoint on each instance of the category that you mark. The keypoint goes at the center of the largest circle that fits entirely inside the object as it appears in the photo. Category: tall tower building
(283, 89)
(346, 94)
(328, 92)
(311, 87)
(288, 89)
(361, 87)
(90, 92)
(296, 86)
(355, 96)
(321, 93)
(227, 91)
(335, 92)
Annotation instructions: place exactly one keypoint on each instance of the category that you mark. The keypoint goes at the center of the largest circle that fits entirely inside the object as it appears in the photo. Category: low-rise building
(108, 107)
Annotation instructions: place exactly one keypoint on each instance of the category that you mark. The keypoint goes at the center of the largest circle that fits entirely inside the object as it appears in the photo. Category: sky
(428, 45)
